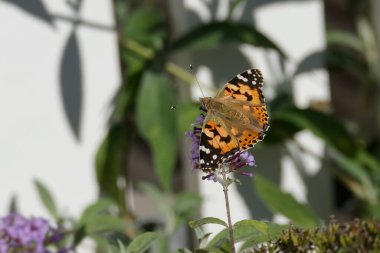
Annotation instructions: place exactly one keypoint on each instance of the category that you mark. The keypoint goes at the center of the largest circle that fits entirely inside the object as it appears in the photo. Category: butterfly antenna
(196, 79)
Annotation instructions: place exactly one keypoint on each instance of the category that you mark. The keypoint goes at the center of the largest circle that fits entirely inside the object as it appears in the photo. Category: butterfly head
(205, 101)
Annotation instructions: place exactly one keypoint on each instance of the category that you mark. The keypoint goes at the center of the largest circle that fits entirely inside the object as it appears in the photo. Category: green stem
(179, 72)
(230, 228)
(149, 54)
(139, 48)
(172, 68)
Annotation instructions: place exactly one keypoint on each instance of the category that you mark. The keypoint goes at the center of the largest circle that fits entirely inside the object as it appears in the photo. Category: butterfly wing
(217, 143)
(245, 89)
(246, 136)
(222, 137)
(244, 93)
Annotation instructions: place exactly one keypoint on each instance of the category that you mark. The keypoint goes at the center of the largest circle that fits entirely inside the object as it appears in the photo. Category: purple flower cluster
(34, 235)
(234, 163)
(195, 136)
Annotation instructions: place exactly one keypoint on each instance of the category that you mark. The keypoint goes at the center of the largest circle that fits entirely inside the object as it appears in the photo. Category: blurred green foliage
(151, 83)
(142, 112)
(356, 236)
(100, 223)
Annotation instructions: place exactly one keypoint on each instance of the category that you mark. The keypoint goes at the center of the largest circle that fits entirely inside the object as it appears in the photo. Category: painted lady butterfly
(236, 120)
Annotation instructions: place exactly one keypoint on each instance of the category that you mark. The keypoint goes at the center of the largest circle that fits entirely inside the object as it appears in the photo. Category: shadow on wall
(71, 85)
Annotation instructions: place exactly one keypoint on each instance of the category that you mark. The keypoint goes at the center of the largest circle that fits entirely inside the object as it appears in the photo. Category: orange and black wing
(222, 138)
(217, 143)
(246, 88)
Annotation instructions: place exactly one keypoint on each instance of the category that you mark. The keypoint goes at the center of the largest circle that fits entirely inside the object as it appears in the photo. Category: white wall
(36, 141)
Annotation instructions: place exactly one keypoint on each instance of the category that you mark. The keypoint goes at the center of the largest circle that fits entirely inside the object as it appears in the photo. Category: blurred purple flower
(234, 163)
(241, 159)
(195, 136)
(19, 234)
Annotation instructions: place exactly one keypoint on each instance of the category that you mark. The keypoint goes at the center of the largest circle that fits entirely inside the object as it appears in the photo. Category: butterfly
(236, 120)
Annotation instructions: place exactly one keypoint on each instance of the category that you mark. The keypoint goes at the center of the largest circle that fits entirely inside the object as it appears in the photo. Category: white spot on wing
(206, 150)
(240, 77)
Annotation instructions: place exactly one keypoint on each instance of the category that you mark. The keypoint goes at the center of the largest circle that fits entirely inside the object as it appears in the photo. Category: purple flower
(3, 246)
(195, 136)
(234, 163)
(19, 234)
(200, 119)
(240, 160)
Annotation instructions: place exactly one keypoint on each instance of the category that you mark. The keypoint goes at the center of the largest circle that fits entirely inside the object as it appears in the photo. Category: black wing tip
(249, 76)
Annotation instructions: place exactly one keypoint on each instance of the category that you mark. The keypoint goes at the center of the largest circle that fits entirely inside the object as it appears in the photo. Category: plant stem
(230, 228)
(171, 67)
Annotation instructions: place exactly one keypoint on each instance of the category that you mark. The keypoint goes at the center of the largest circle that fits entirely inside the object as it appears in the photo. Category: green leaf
(120, 246)
(79, 235)
(157, 196)
(96, 218)
(351, 166)
(219, 239)
(109, 163)
(275, 230)
(222, 246)
(362, 185)
(46, 198)
(202, 237)
(102, 243)
(146, 25)
(343, 59)
(186, 202)
(311, 62)
(284, 203)
(273, 233)
(143, 20)
(185, 207)
(100, 207)
(322, 125)
(110, 158)
(374, 211)
(207, 220)
(157, 124)
(233, 6)
(256, 231)
(187, 113)
(212, 35)
(208, 251)
(370, 161)
(184, 250)
(162, 244)
(104, 223)
(142, 242)
(344, 38)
